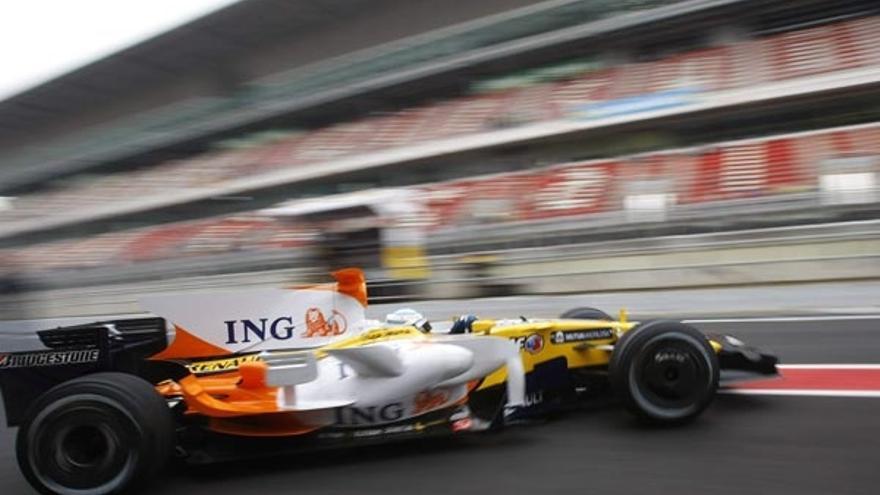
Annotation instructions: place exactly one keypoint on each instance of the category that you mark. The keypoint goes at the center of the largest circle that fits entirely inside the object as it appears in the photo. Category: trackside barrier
(791, 254)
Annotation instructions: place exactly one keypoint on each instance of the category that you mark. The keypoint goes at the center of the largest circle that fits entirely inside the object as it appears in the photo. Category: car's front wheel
(97, 434)
(664, 371)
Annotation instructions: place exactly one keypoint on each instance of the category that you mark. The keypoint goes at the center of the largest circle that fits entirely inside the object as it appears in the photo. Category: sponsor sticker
(381, 334)
(54, 358)
(408, 428)
(667, 356)
(532, 344)
(428, 400)
(569, 336)
(369, 415)
(221, 365)
(318, 325)
(642, 103)
(534, 398)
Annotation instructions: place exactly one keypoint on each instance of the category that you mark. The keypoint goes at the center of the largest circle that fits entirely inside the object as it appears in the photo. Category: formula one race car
(102, 407)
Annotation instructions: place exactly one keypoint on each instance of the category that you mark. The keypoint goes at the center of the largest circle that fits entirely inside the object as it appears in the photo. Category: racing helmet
(408, 317)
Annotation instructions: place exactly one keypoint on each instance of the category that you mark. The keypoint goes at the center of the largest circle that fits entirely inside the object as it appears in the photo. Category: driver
(410, 317)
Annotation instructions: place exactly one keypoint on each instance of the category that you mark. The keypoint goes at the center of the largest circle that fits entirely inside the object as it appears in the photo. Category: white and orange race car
(103, 406)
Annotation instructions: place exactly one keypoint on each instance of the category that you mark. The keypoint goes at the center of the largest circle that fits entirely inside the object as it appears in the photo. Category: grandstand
(532, 126)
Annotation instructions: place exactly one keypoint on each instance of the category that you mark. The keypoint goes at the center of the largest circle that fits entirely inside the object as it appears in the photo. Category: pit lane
(742, 444)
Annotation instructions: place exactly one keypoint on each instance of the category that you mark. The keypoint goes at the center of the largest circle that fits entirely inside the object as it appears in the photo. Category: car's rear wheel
(664, 372)
(97, 434)
(586, 313)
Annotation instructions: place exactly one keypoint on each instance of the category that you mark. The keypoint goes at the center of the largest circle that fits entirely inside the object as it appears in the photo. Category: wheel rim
(671, 376)
(83, 446)
(86, 446)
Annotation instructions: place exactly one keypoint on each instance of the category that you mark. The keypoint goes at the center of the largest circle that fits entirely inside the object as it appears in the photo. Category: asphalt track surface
(742, 444)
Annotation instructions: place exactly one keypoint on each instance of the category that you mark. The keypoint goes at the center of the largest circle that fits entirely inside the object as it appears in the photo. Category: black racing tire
(96, 434)
(586, 313)
(664, 372)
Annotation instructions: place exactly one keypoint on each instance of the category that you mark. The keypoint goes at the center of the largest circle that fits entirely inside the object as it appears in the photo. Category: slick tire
(586, 313)
(97, 434)
(664, 372)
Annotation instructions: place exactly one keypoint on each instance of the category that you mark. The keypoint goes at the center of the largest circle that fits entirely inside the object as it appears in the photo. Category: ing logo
(317, 325)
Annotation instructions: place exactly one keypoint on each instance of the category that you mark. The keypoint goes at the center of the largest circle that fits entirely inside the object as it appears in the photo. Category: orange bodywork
(187, 345)
(223, 397)
(230, 390)
(237, 403)
(238, 393)
(265, 425)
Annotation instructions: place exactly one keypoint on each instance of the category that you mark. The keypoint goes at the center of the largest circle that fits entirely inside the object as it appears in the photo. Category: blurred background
(452, 150)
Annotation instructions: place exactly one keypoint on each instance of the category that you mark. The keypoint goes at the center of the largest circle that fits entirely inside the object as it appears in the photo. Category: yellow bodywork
(595, 352)
(241, 379)
(588, 353)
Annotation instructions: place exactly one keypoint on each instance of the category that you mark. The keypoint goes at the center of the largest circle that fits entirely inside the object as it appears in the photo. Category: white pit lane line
(804, 390)
(785, 319)
(802, 393)
(828, 366)
(816, 380)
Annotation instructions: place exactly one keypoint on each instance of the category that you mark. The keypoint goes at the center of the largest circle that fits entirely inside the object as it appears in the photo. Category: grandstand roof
(238, 32)
(208, 41)
(235, 31)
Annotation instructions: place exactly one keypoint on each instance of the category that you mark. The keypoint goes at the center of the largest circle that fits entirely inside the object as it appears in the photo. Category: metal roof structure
(205, 43)
(212, 43)
(485, 46)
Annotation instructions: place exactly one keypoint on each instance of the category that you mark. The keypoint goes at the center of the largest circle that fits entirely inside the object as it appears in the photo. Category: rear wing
(60, 354)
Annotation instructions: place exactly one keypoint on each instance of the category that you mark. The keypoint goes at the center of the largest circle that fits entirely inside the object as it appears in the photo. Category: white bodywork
(262, 319)
(390, 381)
(366, 384)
